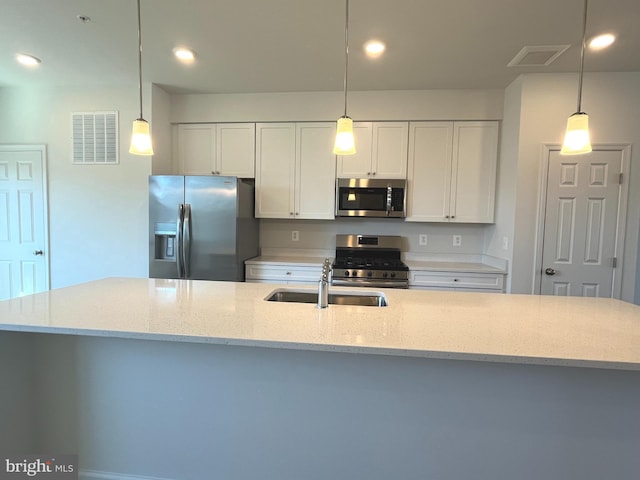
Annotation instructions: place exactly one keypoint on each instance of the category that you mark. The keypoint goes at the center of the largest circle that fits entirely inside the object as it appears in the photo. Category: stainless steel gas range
(369, 261)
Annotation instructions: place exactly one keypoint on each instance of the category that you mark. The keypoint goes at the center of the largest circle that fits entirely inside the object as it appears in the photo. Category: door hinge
(621, 178)
(615, 262)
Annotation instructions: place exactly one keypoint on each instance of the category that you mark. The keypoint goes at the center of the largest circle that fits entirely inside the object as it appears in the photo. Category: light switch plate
(457, 240)
(422, 239)
(295, 235)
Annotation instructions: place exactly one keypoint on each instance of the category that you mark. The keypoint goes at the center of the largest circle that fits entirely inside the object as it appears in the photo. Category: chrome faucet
(323, 284)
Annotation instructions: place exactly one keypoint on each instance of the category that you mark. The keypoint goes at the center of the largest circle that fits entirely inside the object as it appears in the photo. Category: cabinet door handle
(446, 216)
(453, 216)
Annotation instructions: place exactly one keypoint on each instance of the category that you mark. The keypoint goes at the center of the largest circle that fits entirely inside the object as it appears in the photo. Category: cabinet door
(275, 169)
(358, 165)
(429, 171)
(389, 150)
(235, 151)
(475, 157)
(315, 171)
(196, 149)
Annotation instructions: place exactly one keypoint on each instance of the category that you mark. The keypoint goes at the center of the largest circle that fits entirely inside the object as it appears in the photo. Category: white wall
(544, 102)
(98, 214)
(328, 106)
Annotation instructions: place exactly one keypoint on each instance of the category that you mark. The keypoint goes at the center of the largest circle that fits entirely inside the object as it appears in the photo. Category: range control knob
(369, 274)
(392, 274)
(346, 273)
(354, 273)
(385, 275)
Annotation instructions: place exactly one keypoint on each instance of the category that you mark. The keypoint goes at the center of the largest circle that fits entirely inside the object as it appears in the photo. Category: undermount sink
(362, 299)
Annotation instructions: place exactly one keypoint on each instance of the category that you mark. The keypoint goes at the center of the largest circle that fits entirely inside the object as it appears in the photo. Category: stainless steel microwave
(366, 197)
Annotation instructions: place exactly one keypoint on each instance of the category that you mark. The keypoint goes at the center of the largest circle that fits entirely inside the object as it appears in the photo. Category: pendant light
(576, 139)
(345, 143)
(140, 136)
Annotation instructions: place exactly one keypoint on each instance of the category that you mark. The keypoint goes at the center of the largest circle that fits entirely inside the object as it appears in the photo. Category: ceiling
(298, 45)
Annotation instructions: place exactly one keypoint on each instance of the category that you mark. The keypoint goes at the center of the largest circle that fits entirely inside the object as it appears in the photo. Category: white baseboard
(96, 475)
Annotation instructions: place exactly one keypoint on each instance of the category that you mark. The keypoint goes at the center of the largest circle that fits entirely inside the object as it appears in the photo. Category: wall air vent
(95, 138)
(537, 56)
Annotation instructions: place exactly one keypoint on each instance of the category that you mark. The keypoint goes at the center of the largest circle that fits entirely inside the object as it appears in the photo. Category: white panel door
(315, 171)
(358, 165)
(389, 149)
(429, 173)
(235, 149)
(473, 178)
(580, 224)
(24, 268)
(197, 149)
(275, 170)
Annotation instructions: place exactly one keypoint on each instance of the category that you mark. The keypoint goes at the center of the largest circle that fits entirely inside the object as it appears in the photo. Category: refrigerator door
(166, 195)
(210, 228)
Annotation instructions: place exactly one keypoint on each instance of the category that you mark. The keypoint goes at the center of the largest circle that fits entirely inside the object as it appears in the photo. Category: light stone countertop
(297, 260)
(413, 264)
(456, 267)
(526, 329)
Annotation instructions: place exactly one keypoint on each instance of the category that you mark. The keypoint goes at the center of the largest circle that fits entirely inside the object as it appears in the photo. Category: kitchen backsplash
(320, 235)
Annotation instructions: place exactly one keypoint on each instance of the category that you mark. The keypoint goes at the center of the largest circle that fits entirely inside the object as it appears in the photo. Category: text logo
(49, 467)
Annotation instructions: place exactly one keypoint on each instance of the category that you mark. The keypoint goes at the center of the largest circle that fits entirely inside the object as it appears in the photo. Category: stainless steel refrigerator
(201, 227)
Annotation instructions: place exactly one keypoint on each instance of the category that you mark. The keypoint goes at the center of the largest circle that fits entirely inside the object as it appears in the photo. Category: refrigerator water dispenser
(165, 241)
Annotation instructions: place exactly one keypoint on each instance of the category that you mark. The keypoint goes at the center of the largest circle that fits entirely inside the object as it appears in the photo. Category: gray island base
(176, 409)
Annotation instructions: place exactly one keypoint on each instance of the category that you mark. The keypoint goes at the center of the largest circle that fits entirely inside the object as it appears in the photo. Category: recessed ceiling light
(374, 48)
(184, 54)
(602, 41)
(27, 60)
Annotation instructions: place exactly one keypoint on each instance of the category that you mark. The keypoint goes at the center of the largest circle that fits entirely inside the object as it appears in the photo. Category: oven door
(370, 198)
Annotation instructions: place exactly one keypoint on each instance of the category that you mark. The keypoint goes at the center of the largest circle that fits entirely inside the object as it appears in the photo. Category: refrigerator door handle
(180, 246)
(187, 240)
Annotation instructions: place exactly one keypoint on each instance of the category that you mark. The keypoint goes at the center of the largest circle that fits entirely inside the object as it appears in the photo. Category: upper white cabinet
(295, 170)
(218, 149)
(452, 171)
(381, 151)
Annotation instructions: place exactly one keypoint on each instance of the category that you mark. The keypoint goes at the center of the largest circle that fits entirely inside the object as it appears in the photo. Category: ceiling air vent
(537, 56)
(95, 138)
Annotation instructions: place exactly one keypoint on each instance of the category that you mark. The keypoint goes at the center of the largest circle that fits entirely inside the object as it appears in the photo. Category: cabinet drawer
(491, 281)
(283, 273)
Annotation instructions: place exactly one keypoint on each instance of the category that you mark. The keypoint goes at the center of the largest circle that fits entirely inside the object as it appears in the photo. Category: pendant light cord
(140, 59)
(584, 33)
(346, 55)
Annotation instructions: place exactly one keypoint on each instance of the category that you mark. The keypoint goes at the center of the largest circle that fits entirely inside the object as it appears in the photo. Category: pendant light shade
(577, 139)
(140, 134)
(140, 138)
(345, 142)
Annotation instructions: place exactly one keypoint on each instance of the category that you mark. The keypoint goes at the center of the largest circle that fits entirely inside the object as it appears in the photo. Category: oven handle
(370, 283)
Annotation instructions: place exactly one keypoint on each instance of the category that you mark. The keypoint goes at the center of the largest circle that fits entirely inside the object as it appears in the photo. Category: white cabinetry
(452, 171)
(295, 170)
(472, 282)
(283, 273)
(218, 149)
(381, 151)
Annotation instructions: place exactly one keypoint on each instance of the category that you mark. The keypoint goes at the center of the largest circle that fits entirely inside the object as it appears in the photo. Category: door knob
(550, 271)
(38, 252)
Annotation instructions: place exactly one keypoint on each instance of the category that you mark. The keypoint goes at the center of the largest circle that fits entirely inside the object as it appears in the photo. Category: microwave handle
(389, 197)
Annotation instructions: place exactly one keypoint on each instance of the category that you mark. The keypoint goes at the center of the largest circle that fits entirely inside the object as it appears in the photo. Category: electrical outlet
(422, 239)
(457, 240)
(295, 235)
(505, 243)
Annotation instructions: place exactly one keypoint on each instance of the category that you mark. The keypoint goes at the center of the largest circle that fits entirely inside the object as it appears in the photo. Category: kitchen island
(440, 385)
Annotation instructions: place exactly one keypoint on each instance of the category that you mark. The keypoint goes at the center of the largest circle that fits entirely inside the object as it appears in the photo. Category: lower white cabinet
(475, 282)
(283, 273)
